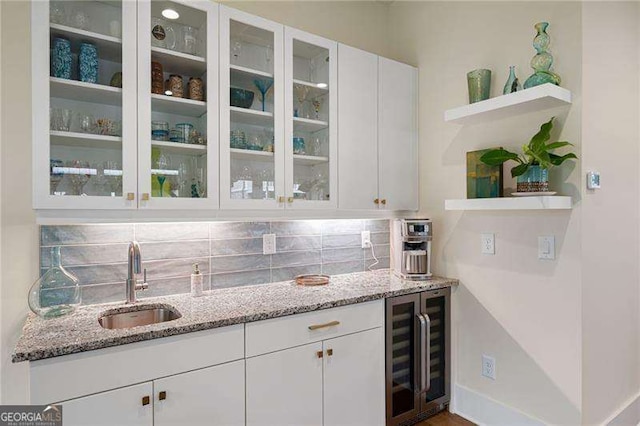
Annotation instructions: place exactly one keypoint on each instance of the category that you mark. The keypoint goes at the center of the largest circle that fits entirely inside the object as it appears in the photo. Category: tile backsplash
(229, 253)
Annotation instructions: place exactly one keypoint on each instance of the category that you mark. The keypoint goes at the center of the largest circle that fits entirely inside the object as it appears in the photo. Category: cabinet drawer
(71, 376)
(281, 333)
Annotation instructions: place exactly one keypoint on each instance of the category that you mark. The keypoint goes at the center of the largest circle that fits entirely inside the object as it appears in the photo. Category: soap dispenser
(196, 282)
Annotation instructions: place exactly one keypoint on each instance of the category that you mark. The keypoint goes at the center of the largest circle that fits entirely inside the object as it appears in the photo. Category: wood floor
(445, 418)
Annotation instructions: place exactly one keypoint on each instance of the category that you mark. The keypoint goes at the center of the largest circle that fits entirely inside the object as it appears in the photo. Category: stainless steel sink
(137, 316)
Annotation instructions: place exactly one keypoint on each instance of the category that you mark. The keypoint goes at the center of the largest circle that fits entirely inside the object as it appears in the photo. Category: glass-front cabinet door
(251, 111)
(311, 120)
(84, 104)
(178, 104)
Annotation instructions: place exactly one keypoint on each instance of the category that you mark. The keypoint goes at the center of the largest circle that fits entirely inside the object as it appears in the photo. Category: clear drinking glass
(189, 40)
(236, 50)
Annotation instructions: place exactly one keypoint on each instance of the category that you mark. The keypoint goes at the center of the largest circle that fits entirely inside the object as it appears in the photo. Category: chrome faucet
(134, 268)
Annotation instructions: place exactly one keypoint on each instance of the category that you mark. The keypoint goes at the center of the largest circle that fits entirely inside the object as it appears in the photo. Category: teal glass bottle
(512, 84)
(56, 292)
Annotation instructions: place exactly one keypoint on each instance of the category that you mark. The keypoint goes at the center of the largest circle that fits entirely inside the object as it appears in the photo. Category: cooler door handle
(425, 352)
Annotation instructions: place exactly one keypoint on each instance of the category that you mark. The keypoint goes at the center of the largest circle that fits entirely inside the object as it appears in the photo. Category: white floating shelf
(308, 125)
(178, 106)
(85, 140)
(179, 63)
(109, 48)
(85, 92)
(534, 99)
(309, 160)
(180, 148)
(314, 90)
(251, 155)
(252, 117)
(511, 203)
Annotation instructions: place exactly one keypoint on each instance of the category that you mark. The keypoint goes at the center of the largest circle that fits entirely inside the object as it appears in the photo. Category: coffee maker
(411, 248)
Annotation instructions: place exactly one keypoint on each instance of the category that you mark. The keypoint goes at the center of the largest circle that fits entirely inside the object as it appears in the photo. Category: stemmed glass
(301, 92)
(163, 164)
(317, 104)
(79, 176)
(183, 179)
(263, 86)
(115, 183)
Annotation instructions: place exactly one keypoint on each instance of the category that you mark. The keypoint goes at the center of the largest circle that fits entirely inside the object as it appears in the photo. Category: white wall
(610, 216)
(524, 312)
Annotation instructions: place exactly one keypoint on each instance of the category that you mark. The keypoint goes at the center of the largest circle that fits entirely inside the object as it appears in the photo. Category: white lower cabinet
(354, 379)
(123, 407)
(210, 396)
(285, 387)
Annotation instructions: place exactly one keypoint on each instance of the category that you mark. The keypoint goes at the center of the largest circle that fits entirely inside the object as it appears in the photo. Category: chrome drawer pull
(319, 326)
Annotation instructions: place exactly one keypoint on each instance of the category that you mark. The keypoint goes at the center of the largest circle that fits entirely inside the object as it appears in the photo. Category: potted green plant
(532, 170)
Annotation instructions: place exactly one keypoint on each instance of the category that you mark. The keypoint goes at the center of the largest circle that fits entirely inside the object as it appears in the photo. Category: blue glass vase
(543, 60)
(61, 58)
(263, 86)
(57, 292)
(88, 63)
(535, 179)
(512, 85)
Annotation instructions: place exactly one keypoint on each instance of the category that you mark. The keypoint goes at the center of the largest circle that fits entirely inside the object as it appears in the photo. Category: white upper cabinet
(397, 135)
(378, 156)
(178, 105)
(84, 104)
(251, 112)
(311, 120)
(358, 130)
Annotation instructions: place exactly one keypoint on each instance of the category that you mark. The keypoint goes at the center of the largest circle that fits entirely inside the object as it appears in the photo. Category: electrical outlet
(547, 247)
(366, 239)
(489, 367)
(268, 243)
(488, 244)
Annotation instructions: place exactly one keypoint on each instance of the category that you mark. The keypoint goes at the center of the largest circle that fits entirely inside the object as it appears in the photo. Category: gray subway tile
(298, 243)
(240, 246)
(236, 279)
(167, 268)
(380, 238)
(295, 258)
(383, 263)
(85, 234)
(286, 274)
(336, 268)
(297, 227)
(381, 250)
(377, 225)
(102, 293)
(230, 230)
(239, 263)
(172, 231)
(340, 241)
(86, 254)
(100, 274)
(174, 250)
(342, 254)
(347, 226)
(165, 287)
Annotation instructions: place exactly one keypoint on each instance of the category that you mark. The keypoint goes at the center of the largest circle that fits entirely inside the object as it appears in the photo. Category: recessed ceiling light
(322, 85)
(170, 14)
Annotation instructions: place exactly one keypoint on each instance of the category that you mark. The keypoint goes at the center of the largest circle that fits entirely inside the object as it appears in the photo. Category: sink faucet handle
(144, 285)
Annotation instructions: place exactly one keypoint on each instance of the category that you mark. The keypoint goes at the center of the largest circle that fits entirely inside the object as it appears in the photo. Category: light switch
(488, 244)
(547, 247)
(593, 180)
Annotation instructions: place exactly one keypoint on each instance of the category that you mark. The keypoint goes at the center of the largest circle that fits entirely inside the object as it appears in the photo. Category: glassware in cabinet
(83, 127)
(310, 105)
(178, 124)
(251, 101)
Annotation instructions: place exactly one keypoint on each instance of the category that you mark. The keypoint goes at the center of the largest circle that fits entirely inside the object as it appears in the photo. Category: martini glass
(301, 92)
(163, 163)
(263, 86)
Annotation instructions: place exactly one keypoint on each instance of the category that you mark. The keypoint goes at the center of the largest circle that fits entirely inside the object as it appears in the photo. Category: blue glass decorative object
(88, 63)
(542, 62)
(61, 58)
(263, 86)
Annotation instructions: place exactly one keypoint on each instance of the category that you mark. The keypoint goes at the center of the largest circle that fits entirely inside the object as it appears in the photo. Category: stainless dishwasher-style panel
(418, 370)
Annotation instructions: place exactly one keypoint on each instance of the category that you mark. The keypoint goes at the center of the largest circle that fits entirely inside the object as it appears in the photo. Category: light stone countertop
(80, 331)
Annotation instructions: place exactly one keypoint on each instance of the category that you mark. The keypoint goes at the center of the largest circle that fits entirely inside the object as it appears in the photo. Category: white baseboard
(627, 415)
(483, 410)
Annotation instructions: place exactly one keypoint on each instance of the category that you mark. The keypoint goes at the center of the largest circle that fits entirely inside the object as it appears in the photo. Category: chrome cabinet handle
(325, 325)
(425, 352)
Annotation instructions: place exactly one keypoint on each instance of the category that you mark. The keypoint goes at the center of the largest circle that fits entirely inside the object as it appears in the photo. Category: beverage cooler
(418, 368)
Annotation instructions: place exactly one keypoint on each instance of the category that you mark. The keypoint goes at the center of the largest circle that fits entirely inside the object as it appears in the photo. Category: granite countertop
(80, 331)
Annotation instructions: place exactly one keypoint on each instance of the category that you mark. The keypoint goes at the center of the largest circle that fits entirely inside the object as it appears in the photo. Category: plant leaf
(556, 160)
(519, 170)
(539, 139)
(495, 157)
(556, 145)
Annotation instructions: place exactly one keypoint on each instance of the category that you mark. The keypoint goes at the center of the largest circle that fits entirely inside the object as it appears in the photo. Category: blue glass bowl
(241, 98)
